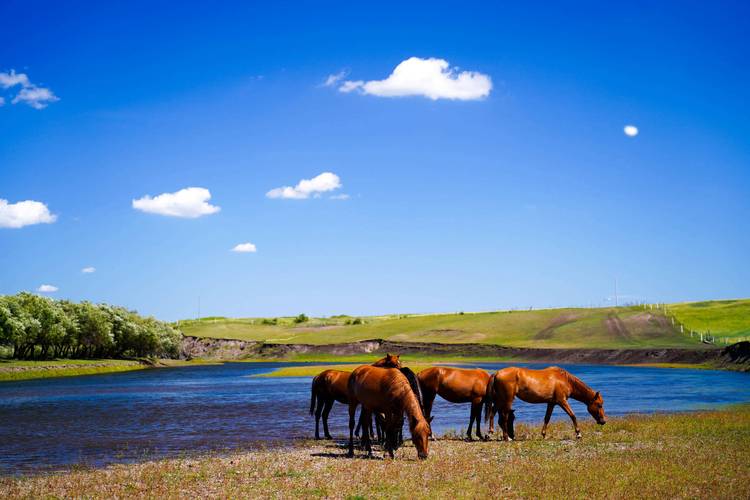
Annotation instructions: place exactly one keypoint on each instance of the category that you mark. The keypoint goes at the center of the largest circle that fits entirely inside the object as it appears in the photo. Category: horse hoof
(329, 437)
(578, 435)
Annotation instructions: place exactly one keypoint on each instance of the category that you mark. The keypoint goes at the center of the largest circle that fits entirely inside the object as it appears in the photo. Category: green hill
(722, 318)
(624, 327)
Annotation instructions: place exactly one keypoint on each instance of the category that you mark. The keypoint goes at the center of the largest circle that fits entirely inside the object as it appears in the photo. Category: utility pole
(615, 292)
(199, 307)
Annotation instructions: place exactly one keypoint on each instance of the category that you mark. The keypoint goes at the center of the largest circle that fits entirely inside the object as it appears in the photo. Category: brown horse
(456, 385)
(551, 385)
(330, 386)
(386, 391)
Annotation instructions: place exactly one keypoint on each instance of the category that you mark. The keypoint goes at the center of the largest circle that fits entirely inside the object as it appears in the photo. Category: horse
(551, 385)
(330, 386)
(386, 391)
(456, 385)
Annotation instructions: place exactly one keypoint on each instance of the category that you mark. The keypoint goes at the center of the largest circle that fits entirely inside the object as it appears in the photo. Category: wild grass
(723, 318)
(14, 370)
(694, 455)
(552, 328)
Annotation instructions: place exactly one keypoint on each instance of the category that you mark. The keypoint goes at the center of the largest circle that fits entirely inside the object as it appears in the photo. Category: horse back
(334, 384)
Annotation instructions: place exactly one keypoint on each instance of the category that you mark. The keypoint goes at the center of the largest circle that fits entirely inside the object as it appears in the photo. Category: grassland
(722, 318)
(624, 327)
(12, 370)
(697, 455)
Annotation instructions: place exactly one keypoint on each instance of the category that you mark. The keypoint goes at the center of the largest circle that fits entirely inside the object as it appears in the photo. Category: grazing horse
(551, 385)
(330, 386)
(386, 391)
(456, 385)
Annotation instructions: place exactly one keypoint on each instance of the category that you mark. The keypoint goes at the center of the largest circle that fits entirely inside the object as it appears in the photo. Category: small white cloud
(47, 289)
(630, 130)
(24, 213)
(35, 96)
(333, 79)
(245, 248)
(431, 78)
(341, 196)
(12, 79)
(88, 270)
(305, 188)
(189, 203)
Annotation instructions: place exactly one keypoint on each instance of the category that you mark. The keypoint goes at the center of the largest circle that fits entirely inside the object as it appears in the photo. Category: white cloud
(334, 78)
(431, 78)
(35, 96)
(24, 213)
(630, 130)
(342, 196)
(305, 188)
(12, 79)
(47, 289)
(190, 203)
(244, 248)
(88, 270)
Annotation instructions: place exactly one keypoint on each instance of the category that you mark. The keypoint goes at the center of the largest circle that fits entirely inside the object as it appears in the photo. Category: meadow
(623, 327)
(696, 455)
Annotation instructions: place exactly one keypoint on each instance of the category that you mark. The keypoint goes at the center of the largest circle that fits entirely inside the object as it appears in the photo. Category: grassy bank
(699, 455)
(12, 370)
(625, 327)
(722, 318)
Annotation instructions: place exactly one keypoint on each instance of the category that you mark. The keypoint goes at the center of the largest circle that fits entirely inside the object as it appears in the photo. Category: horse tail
(489, 397)
(414, 384)
(313, 394)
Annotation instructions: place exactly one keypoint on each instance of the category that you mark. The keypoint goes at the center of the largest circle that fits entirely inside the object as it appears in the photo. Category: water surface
(100, 419)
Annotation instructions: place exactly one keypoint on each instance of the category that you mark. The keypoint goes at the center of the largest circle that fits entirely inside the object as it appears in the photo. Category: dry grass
(705, 455)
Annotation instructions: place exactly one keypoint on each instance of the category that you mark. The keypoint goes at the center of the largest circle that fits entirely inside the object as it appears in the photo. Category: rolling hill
(623, 327)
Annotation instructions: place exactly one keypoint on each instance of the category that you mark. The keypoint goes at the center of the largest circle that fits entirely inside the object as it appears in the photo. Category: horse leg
(366, 442)
(326, 411)
(565, 406)
(547, 416)
(318, 411)
(505, 421)
(476, 407)
(472, 414)
(352, 412)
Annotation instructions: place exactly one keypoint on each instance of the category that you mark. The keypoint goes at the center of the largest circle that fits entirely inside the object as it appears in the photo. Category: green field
(624, 327)
(722, 318)
(688, 455)
(13, 369)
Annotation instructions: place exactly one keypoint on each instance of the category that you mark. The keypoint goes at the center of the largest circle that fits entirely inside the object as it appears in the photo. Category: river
(51, 424)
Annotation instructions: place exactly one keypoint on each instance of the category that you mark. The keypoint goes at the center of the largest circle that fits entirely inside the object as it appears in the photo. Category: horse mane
(414, 384)
(578, 384)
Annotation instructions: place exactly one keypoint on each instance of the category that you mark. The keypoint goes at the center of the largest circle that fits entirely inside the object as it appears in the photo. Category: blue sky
(527, 194)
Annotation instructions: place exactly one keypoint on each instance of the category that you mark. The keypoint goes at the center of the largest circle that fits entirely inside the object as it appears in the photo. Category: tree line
(36, 327)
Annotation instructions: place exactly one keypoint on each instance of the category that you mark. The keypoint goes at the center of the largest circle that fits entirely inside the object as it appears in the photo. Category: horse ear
(597, 395)
(429, 420)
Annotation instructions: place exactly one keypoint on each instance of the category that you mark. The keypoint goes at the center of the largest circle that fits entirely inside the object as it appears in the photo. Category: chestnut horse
(551, 385)
(330, 386)
(456, 385)
(386, 391)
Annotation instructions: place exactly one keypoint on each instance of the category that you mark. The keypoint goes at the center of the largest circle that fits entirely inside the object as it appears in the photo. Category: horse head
(420, 436)
(596, 409)
(389, 361)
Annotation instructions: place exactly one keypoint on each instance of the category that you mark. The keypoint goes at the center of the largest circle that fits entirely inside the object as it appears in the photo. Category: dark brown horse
(456, 385)
(551, 385)
(386, 391)
(330, 386)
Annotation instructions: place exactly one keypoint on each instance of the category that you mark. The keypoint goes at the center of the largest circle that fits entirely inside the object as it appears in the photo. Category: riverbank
(699, 455)
(733, 357)
(14, 370)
